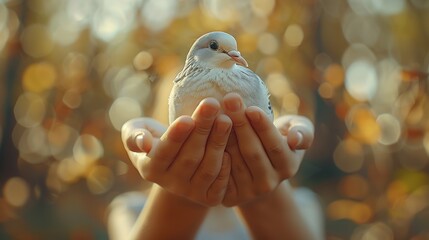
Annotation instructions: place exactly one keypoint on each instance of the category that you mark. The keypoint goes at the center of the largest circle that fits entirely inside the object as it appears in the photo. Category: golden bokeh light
(100, 179)
(220, 9)
(348, 209)
(33, 145)
(16, 191)
(263, 8)
(39, 77)
(293, 35)
(30, 110)
(122, 110)
(290, 103)
(426, 142)
(270, 65)
(63, 30)
(326, 90)
(36, 41)
(69, 171)
(157, 15)
(87, 149)
(61, 138)
(334, 75)
(361, 80)
(75, 69)
(377, 230)
(4, 14)
(73, 72)
(72, 98)
(390, 129)
(349, 155)
(268, 44)
(354, 186)
(143, 60)
(4, 37)
(4, 31)
(277, 84)
(255, 25)
(247, 42)
(362, 124)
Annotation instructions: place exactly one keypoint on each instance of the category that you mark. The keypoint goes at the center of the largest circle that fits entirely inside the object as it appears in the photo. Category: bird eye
(214, 45)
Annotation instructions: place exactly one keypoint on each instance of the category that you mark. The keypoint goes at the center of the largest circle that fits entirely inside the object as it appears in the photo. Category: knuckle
(252, 156)
(265, 187)
(222, 177)
(189, 162)
(218, 144)
(239, 168)
(276, 149)
(202, 129)
(288, 172)
(240, 123)
(207, 176)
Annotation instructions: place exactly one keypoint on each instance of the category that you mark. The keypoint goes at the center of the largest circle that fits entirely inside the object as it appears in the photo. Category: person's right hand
(263, 153)
(187, 158)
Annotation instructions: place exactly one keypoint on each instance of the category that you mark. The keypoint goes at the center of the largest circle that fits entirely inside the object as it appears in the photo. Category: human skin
(196, 165)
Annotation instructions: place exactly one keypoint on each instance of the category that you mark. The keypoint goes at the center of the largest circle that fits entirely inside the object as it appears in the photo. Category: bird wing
(260, 96)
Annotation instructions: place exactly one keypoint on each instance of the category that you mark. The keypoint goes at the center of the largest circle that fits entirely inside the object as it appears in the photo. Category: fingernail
(254, 116)
(233, 105)
(208, 112)
(139, 141)
(300, 138)
(222, 127)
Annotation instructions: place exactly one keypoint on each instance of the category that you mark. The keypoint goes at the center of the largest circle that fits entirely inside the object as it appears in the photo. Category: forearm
(168, 216)
(278, 216)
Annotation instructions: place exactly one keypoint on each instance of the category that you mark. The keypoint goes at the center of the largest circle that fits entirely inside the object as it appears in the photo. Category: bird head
(216, 49)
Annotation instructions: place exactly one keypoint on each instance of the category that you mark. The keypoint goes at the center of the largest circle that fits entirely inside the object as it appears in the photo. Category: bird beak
(236, 56)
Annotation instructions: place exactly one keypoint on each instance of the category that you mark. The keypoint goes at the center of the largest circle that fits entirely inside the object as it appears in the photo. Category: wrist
(283, 192)
(164, 207)
(276, 215)
(177, 201)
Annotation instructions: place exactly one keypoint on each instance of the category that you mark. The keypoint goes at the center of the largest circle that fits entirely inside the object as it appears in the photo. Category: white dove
(213, 68)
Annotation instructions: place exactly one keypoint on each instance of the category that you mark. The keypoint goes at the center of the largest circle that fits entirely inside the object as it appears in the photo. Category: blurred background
(72, 72)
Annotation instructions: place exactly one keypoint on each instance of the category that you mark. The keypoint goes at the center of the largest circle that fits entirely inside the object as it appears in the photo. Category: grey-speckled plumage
(210, 72)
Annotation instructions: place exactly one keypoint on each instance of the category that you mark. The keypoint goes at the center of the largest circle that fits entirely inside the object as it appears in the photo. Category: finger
(171, 142)
(140, 141)
(211, 164)
(138, 124)
(249, 144)
(231, 193)
(216, 192)
(239, 169)
(154, 127)
(273, 142)
(293, 126)
(284, 159)
(299, 137)
(193, 150)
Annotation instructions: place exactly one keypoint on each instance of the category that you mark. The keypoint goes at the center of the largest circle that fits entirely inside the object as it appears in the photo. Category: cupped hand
(263, 153)
(187, 158)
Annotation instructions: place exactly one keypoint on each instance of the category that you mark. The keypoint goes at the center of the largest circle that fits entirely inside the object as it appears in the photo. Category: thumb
(299, 138)
(141, 141)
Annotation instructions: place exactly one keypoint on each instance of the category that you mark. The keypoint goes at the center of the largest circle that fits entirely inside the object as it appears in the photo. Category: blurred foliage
(72, 72)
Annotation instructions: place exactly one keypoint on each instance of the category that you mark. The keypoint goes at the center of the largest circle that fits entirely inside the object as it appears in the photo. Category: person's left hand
(263, 153)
